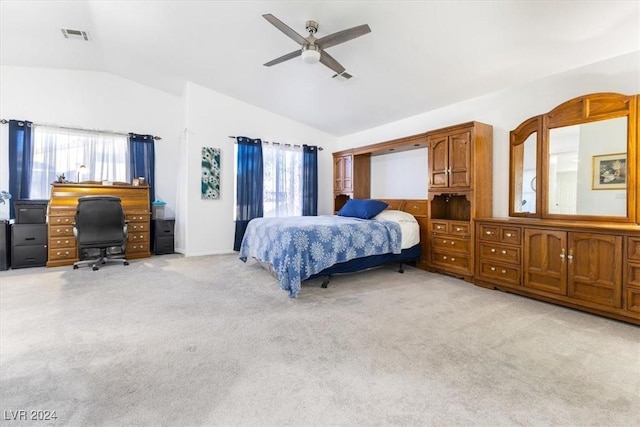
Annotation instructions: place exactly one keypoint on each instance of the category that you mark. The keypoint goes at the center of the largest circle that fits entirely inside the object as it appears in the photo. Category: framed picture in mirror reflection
(609, 172)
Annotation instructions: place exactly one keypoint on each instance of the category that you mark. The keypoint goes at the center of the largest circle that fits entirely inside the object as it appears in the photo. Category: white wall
(506, 109)
(210, 119)
(93, 100)
(200, 117)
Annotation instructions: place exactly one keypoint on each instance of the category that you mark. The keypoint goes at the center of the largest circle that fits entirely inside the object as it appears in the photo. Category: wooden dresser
(62, 249)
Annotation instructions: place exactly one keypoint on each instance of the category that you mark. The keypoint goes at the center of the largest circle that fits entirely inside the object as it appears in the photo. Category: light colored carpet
(174, 341)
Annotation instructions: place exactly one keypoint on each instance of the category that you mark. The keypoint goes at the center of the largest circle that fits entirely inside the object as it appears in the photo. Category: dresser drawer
(61, 220)
(439, 226)
(503, 273)
(61, 231)
(458, 228)
(137, 217)
(450, 260)
(138, 226)
(500, 233)
(633, 275)
(449, 243)
(56, 254)
(633, 248)
(138, 237)
(498, 252)
(510, 235)
(62, 242)
(632, 300)
(137, 247)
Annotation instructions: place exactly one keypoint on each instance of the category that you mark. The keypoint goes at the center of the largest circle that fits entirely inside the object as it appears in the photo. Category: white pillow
(408, 225)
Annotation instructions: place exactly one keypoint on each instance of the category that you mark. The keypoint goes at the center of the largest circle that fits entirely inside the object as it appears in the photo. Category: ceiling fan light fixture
(310, 56)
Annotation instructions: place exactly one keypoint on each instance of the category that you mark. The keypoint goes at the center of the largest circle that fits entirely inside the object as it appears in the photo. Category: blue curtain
(142, 160)
(309, 180)
(20, 160)
(249, 189)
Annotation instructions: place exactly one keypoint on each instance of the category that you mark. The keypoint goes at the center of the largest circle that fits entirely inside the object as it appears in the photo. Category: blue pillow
(362, 208)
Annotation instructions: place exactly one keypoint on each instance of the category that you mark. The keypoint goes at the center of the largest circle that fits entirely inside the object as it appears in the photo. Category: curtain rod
(277, 143)
(4, 122)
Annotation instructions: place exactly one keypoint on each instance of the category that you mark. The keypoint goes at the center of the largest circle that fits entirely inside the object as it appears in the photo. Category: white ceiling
(419, 56)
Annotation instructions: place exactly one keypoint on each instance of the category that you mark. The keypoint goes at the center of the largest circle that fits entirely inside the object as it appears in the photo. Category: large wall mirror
(578, 161)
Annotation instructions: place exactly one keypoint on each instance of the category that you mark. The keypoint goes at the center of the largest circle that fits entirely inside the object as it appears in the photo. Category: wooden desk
(62, 248)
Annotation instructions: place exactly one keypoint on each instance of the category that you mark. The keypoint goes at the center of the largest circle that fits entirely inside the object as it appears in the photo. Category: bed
(299, 248)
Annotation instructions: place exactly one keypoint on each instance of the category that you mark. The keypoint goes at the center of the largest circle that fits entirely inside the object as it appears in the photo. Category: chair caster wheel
(126, 263)
(75, 267)
(95, 268)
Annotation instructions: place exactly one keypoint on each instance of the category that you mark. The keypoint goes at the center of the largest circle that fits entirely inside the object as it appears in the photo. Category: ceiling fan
(313, 49)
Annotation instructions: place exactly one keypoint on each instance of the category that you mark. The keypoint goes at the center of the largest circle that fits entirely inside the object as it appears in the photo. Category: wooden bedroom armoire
(458, 191)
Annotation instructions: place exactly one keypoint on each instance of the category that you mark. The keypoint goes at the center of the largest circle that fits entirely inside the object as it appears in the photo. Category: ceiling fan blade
(343, 36)
(283, 58)
(330, 62)
(285, 29)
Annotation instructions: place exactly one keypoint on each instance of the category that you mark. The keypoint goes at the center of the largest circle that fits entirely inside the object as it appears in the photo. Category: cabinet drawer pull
(508, 234)
(458, 229)
(444, 241)
(503, 252)
(444, 257)
(493, 250)
(453, 259)
(489, 233)
(493, 269)
(453, 243)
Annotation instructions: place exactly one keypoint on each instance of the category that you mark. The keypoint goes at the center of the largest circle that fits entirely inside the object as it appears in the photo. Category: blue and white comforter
(298, 247)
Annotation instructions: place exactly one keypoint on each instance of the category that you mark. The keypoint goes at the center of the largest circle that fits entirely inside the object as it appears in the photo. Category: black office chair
(100, 230)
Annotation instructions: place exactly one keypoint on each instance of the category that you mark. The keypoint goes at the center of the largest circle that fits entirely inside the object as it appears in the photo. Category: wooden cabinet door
(338, 169)
(438, 161)
(545, 262)
(343, 173)
(347, 173)
(595, 268)
(459, 160)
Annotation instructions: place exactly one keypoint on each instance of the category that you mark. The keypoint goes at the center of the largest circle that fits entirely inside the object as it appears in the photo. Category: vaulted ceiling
(419, 56)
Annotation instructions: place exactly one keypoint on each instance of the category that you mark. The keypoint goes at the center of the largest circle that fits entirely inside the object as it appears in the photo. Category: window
(282, 194)
(62, 151)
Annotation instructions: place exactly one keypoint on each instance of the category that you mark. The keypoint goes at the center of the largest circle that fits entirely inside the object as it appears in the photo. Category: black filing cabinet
(28, 245)
(163, 236)
(5, 244)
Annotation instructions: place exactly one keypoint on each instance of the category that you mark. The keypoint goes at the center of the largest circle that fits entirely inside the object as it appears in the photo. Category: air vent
(343, 76)
(75, 34)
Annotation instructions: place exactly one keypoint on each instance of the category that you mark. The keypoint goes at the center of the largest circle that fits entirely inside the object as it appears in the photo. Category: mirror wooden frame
(584, 109)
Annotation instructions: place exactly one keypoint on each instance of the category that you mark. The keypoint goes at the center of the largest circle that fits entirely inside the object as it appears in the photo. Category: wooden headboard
(419, 208)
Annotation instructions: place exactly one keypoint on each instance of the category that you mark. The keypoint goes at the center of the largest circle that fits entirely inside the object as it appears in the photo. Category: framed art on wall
(210, 180)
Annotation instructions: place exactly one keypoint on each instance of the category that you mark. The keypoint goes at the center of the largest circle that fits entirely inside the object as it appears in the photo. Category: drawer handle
(493, 250)
(29, 238)
(493, 269)
(489, 233)
(503, 252)
(444, 241)
(503, 271)
(444, 257)
(508, 234)
(453, 243)
(458, 229)
(453, 259)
